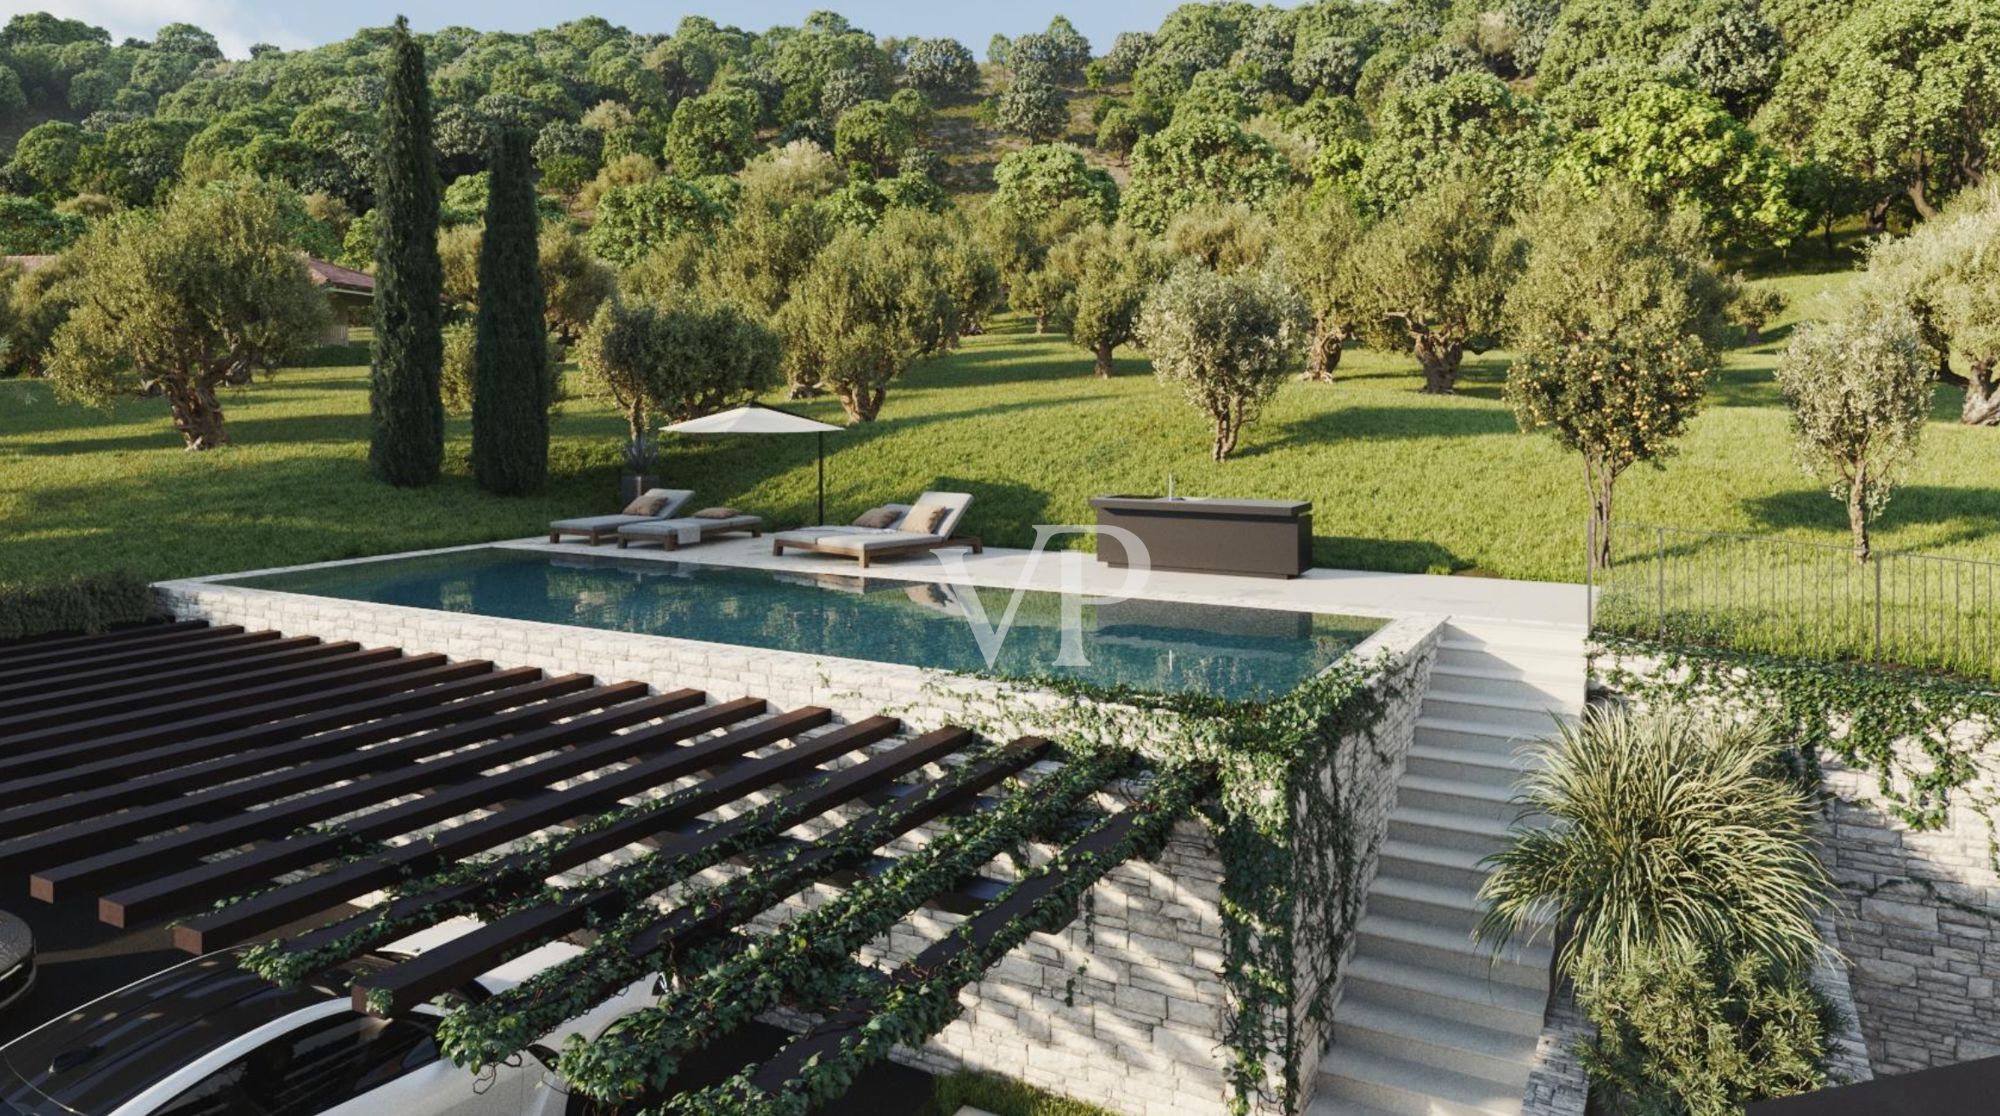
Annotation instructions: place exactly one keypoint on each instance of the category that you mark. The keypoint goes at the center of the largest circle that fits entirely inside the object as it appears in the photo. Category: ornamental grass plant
(1671, 854)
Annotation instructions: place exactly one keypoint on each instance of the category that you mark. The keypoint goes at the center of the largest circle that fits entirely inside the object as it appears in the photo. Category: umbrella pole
(821, 435)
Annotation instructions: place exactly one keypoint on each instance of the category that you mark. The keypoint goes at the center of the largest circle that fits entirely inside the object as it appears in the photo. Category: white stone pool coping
(851, 687)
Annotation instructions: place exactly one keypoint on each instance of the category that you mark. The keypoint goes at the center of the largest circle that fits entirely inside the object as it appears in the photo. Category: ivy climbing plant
(1923, 737)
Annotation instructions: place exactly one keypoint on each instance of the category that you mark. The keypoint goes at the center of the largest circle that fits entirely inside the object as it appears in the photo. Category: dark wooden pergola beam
(119, 664)
(280, 906)
(83, 794)
(216, 880)
(32, 651)
(223, 804)
(94, 735)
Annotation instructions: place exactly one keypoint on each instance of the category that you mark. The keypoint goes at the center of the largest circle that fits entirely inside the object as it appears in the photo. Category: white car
(207, 1038)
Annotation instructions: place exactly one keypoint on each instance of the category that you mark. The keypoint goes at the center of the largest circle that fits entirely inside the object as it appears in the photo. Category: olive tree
(183, 301)
(1431, 279)
(1947, 274)
(1033, 107)
(1227, 237)
(941, 66)
(1226, 341)
(1108, 271)
(1617, 317)
(677, 361)
(1200, 158)
(1860, 391)
(861, 315)
(1315, 238)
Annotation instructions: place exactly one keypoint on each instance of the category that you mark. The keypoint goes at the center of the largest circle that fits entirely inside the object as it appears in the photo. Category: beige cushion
(878, 518)
(649, 502)
(925, 519)
(716, 513)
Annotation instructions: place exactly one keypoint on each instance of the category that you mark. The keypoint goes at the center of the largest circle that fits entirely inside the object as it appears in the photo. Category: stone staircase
(1429, 1023)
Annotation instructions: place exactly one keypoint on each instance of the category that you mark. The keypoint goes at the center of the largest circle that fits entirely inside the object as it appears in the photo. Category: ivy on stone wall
(1283, 819)
(1927, 739)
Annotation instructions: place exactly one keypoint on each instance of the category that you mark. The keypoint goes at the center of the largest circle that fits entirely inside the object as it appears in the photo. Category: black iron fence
(1757, 593)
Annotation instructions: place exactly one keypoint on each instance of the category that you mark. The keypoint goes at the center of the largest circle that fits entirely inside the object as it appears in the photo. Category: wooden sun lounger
(666, 532)
(866, 545)
(865, 548)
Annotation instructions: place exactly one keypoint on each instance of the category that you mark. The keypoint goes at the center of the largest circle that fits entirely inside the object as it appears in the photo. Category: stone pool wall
(1126, 1007)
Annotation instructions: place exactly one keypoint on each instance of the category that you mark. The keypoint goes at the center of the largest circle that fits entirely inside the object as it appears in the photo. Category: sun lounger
(599, 527)
(672, 534)
(867, 544)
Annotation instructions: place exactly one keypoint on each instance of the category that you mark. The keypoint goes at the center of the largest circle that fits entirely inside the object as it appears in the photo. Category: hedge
(79, 605)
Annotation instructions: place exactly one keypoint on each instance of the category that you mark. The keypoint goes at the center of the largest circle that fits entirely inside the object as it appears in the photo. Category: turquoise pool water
(1156, 646)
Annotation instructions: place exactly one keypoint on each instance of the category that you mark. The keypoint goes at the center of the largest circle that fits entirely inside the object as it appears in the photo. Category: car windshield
(108, 1052)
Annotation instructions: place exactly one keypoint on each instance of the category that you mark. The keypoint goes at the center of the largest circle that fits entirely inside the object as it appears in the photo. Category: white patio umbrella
(759, 419)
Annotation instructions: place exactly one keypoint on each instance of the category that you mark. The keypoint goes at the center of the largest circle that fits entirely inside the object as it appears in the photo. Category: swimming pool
(1150, 645)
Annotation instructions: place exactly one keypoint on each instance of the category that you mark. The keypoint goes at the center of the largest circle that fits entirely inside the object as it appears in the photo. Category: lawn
(1399, 480)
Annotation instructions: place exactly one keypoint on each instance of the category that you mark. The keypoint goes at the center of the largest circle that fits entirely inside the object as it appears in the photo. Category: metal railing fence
(1764, 594)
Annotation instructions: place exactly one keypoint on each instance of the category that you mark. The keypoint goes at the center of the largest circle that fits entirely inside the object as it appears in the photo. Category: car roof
(108, 1051)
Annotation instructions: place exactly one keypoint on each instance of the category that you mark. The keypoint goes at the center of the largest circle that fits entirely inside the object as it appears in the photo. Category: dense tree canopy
(1681, 148)
(1201, 158)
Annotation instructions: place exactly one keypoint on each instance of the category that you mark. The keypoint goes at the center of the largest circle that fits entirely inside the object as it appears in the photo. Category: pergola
(164, 771)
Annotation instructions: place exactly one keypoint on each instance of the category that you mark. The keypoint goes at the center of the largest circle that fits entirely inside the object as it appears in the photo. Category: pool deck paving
(1352, 592)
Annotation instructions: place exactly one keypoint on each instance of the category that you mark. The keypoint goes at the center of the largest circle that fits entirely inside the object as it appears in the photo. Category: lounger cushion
(864, 542)
(657, 528)
(715, 513)
(878, 518)
(650, 502)
(596, 522)
(926, 518)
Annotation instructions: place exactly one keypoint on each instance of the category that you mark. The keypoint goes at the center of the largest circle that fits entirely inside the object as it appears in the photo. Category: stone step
(1529, 662)
(1491, 676)
(1487, 1003)
(1441, 1042)
(1410, 1088)
(1532, 716)
(1501, 637)
(1442, 905)
(1474, 736)
(1452, 831)
(1433, 864)
(1328, 1106)
(1457, 796)
(1466, 766)
(1451, 951)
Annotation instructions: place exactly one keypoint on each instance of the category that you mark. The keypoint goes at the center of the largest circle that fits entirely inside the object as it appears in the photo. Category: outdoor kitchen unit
(1256, 538)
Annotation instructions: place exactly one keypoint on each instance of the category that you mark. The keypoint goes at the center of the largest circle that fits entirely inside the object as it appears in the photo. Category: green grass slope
(1399, 480)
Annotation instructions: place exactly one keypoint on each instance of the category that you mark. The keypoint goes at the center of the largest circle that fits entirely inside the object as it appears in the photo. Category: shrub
(1753, 309)
(78, 605)
(1002, 1097)
(1682, 1035)
(1680, 860)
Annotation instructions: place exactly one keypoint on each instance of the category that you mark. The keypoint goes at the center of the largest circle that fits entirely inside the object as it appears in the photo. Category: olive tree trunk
(1857, 513)
(197, 411)
(1602, 481)
(1323, 354)
(1103, 366)
(1982, 397)
(1439, 359)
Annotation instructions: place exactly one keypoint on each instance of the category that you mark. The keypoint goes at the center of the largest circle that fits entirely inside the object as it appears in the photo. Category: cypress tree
(510, 381)
(406, 414)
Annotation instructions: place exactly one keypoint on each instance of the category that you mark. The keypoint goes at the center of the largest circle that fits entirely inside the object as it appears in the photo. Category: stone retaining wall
(1123, 1008)
(1917, 917)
